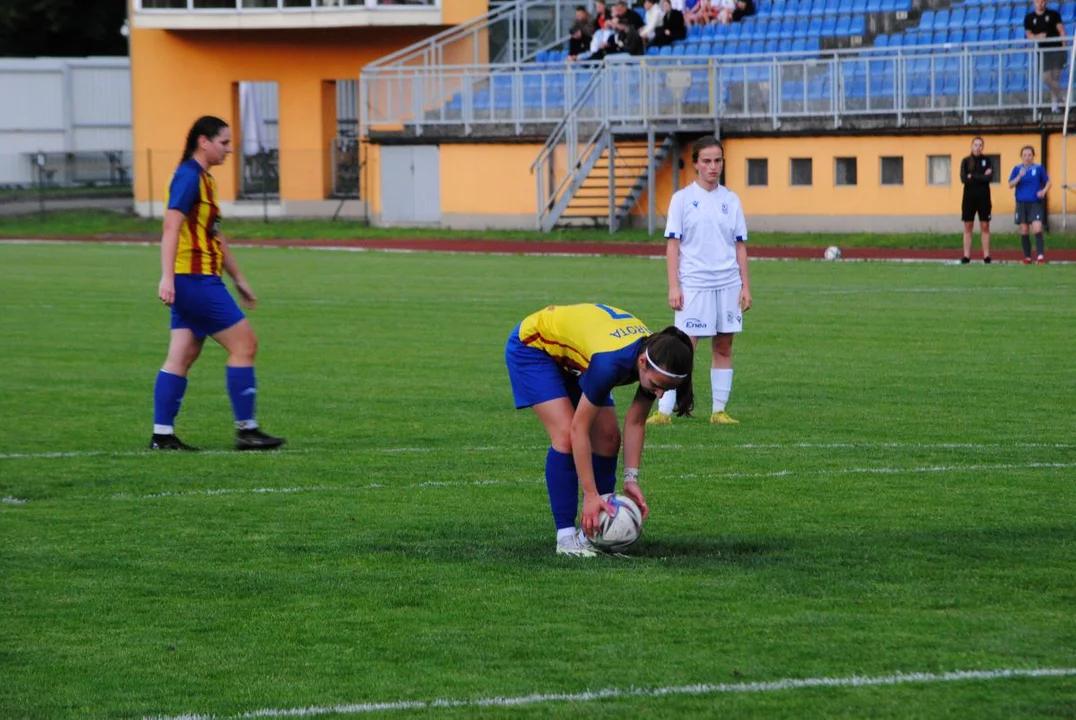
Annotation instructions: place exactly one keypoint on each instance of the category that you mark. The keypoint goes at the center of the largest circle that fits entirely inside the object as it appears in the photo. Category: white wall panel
(33, 100)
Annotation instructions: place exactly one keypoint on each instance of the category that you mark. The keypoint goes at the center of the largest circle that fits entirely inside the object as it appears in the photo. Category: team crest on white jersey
(724, 208)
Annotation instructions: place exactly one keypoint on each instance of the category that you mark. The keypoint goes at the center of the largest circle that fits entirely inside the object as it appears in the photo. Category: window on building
(939, 170)
(995, 163)
(801, 169)
(758, 172)
(893, 171)
(844, 171)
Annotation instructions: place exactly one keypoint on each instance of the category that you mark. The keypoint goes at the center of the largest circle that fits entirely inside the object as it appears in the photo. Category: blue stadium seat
(955, 37)
(814, 29)
(1068, 12)
(792, 92)
(1015, 81)
(987, 35)
(818, 89)
(931, 19)
(875, 6)
(985, 82)
(829, 25)
(988, 17)
(971, 18)
(844, 24)
(858, 26)
(772, 47)
(858, 7)
(881, 41)
(971, 35)
(1005, 15)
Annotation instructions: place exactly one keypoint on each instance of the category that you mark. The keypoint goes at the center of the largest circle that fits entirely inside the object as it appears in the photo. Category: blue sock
(604, 473)
(563, 484)
(167, 397)
(242, 390)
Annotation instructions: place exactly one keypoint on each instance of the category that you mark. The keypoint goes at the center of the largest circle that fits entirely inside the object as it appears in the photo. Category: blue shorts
(536, 377)
(203, 305)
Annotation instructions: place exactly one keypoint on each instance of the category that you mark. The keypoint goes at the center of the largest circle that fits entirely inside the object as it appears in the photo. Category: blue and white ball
(618, 531)
(832, 253)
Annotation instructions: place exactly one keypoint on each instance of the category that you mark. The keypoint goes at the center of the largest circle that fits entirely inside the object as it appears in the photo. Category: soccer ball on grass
(620, 530)
(832, 253)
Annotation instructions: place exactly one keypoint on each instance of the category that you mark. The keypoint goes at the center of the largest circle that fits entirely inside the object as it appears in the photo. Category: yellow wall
(488, 179)
(868, 197)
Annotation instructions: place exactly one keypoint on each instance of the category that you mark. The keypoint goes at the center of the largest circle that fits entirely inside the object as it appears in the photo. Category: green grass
(899, 497)
(102, 223)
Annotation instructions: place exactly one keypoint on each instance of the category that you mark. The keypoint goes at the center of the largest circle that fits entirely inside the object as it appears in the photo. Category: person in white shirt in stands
(654, 14)
(598, 41)
(706, 259)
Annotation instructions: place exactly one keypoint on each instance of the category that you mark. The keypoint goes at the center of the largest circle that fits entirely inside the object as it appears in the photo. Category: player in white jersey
(707, 263)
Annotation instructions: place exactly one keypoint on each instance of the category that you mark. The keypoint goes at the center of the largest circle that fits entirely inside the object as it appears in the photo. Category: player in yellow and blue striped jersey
(193, 255)
(563, 363)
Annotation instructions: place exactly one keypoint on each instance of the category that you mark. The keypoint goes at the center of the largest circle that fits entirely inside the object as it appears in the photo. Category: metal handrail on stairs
(556, 184)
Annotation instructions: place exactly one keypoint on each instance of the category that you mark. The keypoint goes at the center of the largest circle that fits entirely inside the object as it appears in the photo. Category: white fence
(61, 105)
(77, 113)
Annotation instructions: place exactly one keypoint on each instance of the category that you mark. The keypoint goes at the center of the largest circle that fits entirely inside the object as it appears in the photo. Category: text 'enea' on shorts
(709, 312)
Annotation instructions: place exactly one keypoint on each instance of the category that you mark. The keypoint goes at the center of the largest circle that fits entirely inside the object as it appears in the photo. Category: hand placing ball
(618, 531)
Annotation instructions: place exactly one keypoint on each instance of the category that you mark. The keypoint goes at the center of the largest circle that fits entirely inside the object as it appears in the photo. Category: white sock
(565, 534)
(667, 402)
(164, 430)
(720, 387)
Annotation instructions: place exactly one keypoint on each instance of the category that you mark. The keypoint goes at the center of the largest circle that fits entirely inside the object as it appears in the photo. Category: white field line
(854, 681)
(512, 448)
(490, 482)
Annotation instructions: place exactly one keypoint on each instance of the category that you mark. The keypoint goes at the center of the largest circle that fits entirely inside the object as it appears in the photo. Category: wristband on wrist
(631, 475)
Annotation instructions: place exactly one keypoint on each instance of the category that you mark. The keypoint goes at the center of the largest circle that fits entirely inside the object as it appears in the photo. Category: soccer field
(897, 505)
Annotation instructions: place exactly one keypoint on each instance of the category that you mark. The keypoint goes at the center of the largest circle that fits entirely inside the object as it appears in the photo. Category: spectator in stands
(672, 28)
(601, 38)
(602, 15)
(698, 12)
(744, 8)
(976, 173)
(581, 32)
(627, 37)
(723, 10)
(627, 16)
(654, 14)
(1045, 25)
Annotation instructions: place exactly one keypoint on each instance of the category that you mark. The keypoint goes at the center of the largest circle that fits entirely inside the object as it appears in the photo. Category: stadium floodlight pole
(1064, 138)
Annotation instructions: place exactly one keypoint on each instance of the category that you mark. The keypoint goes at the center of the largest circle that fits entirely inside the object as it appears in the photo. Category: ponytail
(206, 126)
(672, 349)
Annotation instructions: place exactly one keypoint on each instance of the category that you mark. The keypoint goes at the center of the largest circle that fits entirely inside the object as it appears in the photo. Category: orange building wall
(483, 179)
(868, 197)
(178, 76)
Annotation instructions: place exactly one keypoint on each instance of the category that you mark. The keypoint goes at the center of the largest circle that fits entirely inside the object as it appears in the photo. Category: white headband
(666, 373)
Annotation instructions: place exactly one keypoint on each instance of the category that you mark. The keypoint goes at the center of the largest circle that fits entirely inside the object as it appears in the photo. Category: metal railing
(893, 82)
(404, 85)
(564, 161)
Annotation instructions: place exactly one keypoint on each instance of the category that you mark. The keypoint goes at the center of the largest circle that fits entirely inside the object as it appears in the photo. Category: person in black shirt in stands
(976, 173)
(672, 27)
(1045, 25)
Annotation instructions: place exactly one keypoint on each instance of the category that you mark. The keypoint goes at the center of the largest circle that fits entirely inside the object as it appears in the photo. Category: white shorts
(710, 312)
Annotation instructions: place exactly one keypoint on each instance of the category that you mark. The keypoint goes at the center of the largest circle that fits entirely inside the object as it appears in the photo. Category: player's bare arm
(166, 289)
(672, 265)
